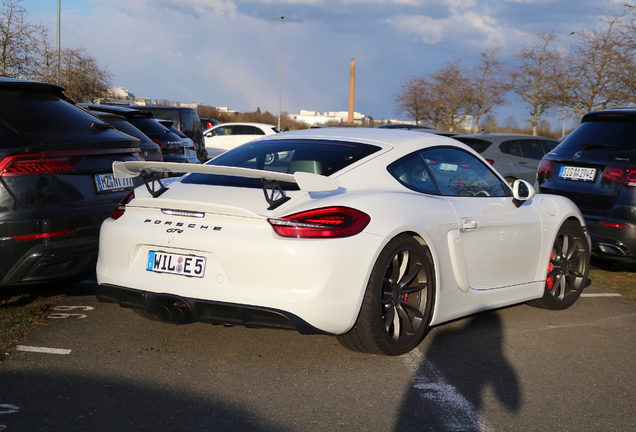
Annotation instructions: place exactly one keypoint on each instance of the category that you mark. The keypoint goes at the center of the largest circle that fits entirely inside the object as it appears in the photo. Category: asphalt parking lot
(99, 367)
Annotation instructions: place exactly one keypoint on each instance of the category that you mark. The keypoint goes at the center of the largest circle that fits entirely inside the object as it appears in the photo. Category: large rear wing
(151, 173)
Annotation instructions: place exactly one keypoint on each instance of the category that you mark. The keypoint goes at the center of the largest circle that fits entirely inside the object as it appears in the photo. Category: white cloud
(431, 31)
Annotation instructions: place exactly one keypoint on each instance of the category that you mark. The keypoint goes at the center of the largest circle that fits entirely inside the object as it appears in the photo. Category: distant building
(314, 117)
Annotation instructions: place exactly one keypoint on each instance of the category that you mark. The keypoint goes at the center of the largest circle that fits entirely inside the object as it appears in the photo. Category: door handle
(468, 225)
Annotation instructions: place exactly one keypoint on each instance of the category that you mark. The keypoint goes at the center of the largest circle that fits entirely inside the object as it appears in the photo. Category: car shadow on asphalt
(90, 403)
(458, 367)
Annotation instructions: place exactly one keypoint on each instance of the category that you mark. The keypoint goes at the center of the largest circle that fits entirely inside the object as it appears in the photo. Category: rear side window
(285, 156)
(148, 125)
(129, 129)
(511, 148)
(612, 134)
(412, 171)
(33, 112)
(476, 144)
(166, 114)
(531, 148)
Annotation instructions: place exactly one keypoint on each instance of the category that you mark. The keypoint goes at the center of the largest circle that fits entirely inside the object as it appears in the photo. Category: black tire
(398, 302)
(568, 269)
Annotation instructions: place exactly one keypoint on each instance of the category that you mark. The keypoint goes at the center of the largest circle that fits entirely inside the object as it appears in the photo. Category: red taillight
(490, 161)
(121, 207)
(622, 175)
(51, 163)
(328, 222)
(156, 141)
(44, 235)
(545, 167)
(21, 165)
(612, 225)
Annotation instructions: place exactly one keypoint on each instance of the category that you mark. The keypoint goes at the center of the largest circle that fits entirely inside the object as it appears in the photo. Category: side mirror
(522, 191)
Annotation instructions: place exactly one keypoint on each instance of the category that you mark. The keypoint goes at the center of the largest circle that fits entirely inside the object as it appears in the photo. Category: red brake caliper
(550, 280)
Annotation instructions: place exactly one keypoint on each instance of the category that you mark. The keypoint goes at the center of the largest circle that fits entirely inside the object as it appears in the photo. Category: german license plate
(182, 265)
(110, 183)
(577, 173)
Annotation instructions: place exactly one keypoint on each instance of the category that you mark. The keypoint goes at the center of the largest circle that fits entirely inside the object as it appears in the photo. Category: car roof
(501, 135)
(117, 109)
(243, 124)
(163, 107)
(607, 113)
(6, 82)
(404, 141)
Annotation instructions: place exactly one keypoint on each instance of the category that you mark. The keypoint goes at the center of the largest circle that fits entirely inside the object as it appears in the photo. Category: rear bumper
(49, 260)
(612, 242)
(184, 310)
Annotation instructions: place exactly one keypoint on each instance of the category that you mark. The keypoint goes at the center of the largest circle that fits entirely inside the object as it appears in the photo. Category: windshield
(285, 156)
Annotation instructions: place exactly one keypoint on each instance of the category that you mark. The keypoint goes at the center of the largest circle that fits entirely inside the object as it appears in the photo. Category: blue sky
(226, 52)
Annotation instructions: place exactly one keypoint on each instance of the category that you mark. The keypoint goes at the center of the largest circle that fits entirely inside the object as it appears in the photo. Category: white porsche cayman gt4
(369, 235)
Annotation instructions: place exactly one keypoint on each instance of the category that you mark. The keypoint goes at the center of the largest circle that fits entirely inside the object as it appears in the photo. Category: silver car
(515, 156)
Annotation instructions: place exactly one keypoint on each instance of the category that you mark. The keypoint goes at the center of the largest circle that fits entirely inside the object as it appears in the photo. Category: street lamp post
(567, 66)
(280, 89)
(59, 20)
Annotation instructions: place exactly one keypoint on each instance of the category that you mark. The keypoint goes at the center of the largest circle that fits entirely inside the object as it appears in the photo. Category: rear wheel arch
(398, 301)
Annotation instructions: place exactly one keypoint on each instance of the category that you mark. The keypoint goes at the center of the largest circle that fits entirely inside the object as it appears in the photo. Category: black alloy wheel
(568, 268)
(398, 302)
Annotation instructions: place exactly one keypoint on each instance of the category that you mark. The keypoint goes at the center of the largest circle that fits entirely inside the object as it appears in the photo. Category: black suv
(185, 119)
(595, 166)
(56, 182)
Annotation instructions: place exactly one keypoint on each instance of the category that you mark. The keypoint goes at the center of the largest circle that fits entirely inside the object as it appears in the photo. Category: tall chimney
(352, 89)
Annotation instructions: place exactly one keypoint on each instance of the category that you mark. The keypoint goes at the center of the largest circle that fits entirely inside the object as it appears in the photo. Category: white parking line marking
(459, 413)
(43, 350)
(601, 295)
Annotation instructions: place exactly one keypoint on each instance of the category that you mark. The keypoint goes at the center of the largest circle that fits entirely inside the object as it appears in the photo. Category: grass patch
(22, 308)
(616, 276)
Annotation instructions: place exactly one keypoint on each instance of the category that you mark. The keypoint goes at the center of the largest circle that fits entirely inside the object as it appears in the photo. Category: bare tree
(627, 55)
(598, 60)
(488, 86)
(538, 77)
(449, 92)
(82, 77)
(412, 99)
(17, 39)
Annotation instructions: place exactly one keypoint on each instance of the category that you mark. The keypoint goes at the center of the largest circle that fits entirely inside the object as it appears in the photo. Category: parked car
(515, 156)
(207, 123)
(368, 234)
(172, 147)
(402, 126)
(229, 135)
(148, 149)
(437, 132)
(416, 128)
(185, 119)
(56, 182)
(188, 144)
(595, 166)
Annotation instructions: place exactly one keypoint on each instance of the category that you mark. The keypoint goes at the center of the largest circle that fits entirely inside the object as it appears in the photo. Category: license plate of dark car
(577, 173)
(177, 264)
(110, 183)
